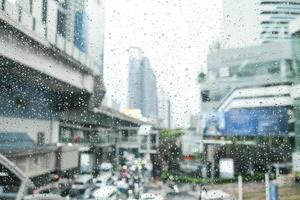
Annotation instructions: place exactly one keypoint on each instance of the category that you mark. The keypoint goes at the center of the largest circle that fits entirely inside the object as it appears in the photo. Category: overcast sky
(174, 34)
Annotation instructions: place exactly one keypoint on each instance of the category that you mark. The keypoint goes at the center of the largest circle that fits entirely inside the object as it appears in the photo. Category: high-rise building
(149, 90)
(275, 18)
(135, 79)
(164, 109)
(72, 22)
(248, 23)
(169, 114)
(142, 91)
(248, 93)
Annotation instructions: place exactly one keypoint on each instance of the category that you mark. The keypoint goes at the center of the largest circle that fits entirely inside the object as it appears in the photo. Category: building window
(19, 13)
(78, 136)
(144, 142)
(33, 24)
(65, 135)
(61, 23)
(3, 5)
(30, 6)
(41, 138)
(45, 161)
(205, 95)
(80, 31)
(36, 160)
(124, 135)
(153, 142)
(44, 11)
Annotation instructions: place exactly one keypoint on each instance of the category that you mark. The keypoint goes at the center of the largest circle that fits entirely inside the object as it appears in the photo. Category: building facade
(164, 109)
(142, 89)
(46, 70)
(248, 94)
(247, 23)
(275, 18)
(135, 88)
(231, 69)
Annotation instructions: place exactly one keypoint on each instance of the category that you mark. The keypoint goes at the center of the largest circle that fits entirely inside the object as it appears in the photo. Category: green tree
(201, 77)
(169, 152)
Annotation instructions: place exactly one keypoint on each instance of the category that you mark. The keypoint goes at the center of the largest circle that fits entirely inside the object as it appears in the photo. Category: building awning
(99, 118)
(14, 144)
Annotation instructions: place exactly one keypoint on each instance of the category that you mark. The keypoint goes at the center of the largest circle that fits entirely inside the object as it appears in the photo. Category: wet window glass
(152, 99)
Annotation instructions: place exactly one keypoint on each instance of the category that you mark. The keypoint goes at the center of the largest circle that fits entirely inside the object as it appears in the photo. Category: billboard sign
(226, 167)
(256, 121)
(213, 123)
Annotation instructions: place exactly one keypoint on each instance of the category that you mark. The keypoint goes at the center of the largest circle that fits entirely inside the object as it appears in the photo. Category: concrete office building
(135, 79)
(247, 23)
(275, 18)
(72, 22)
(248, 93)
(169, 114)
(191, 140)
(149, 91)
(45, 73)
(142, 90)
(74, 27)
(164, 109)
(250, 67)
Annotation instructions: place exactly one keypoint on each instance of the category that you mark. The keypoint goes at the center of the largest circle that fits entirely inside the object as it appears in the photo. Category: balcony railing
(15, 15)
(92, 141)
(129, 139)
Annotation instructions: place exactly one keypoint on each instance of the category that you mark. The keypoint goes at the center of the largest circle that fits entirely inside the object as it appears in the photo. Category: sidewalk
(256, 190)
(251, 191)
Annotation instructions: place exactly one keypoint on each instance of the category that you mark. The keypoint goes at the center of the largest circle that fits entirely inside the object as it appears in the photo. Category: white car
(106, 168)
(215, 195)
(105, 193)
(43, 197)
(122, 185)
(82, 182)
(103, 180)
(149, 196)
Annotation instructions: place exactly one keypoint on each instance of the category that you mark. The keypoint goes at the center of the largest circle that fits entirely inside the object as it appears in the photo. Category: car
(215, 195)
(61, 187)
(89, 192)
(106, 168)
(75, 194)
(105, 193)
(150, 196)
(82, 182)
(122, 185)
(43, 197)
(103, 180)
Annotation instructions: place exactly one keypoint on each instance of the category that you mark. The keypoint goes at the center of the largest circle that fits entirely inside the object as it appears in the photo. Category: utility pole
(267, 183)
(213, 164)
(240, 182)
(117, 141)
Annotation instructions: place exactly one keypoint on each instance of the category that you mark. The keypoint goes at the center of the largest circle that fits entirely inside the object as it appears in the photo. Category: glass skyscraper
(142, 90)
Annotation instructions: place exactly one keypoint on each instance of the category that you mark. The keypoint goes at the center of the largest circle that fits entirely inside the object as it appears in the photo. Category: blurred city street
(149, 100)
